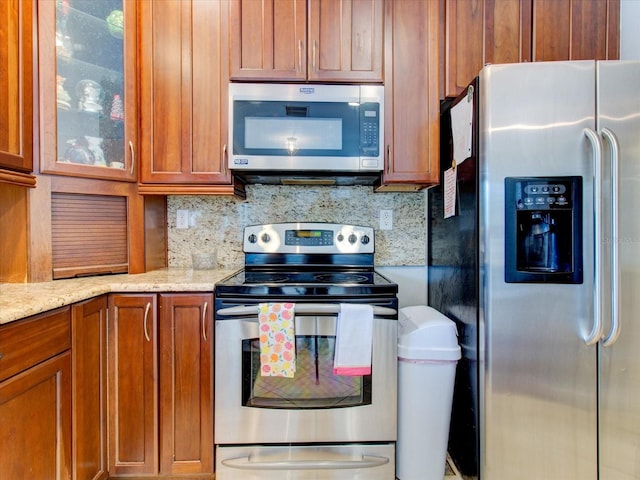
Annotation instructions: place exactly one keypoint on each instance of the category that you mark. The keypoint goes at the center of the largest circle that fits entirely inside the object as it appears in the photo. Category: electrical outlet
(182, 219)
(386, 219)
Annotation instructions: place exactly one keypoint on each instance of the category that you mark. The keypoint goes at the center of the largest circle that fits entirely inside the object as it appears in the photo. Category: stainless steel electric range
(317, 424)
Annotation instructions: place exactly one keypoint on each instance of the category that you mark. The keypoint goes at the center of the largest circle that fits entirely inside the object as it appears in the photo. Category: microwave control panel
(369, 130)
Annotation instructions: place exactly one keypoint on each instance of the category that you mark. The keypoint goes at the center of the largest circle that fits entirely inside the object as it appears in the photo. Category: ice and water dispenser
(543, 229)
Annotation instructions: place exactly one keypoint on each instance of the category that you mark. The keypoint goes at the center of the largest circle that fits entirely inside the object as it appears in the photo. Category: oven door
(314, 406)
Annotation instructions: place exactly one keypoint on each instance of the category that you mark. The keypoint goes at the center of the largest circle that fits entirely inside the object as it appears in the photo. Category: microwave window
(293, 134)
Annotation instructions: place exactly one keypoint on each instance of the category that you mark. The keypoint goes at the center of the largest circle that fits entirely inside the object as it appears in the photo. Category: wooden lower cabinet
(186, 383)
(160, 356)
(132, 384)
(35, 400)
(89, 383)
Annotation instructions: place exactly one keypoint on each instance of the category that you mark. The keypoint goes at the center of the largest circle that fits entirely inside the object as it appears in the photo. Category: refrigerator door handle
(614, 145)
(596, 144)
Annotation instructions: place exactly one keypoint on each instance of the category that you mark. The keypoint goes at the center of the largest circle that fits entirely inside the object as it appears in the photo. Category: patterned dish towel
(277, 339)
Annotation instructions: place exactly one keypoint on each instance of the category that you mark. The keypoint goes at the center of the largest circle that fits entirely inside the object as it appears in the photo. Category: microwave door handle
(614, 332)
(302, 308)
(245, 463)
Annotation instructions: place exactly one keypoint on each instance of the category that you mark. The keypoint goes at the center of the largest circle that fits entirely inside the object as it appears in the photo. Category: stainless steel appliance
(316, 424)
(306, 133)
(540, 269)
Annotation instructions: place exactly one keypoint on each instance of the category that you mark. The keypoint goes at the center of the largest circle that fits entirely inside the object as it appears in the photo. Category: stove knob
(352, 238)
(365, 239)
(253, 238)
(265, 237)
(340, 237)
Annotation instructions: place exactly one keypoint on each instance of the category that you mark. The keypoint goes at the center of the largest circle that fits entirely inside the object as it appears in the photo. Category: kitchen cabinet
(412, 106)
(576, 30)
(186, 383)
(483, 31)
(16, 90)
(35, 397)
(89, 385)
(133, 398)
(161, 424)
(300, 40)
(184, 75)
(478, 32)
(88, 89)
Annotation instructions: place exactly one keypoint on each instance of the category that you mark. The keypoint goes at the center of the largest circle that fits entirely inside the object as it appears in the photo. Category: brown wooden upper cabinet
(307, 40)
(412, 106)
(478, 32)
(88, 88)
(16, 85)
(183, 109)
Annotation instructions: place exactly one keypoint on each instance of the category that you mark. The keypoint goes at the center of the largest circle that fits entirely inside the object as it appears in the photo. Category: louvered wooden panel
(89, 234)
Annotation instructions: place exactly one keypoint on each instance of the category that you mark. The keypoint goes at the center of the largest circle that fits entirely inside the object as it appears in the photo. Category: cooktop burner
(341, 278)
(261, 277)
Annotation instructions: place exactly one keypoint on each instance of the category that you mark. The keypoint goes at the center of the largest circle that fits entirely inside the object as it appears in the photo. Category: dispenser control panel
(535, 194)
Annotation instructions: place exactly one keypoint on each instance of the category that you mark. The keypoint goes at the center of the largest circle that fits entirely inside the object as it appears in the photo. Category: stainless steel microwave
(306, 131)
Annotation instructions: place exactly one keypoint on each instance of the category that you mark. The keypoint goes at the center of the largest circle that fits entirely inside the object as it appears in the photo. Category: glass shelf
(90, 83)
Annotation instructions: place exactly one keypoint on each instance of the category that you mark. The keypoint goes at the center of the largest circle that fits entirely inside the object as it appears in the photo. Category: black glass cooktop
(276, 282)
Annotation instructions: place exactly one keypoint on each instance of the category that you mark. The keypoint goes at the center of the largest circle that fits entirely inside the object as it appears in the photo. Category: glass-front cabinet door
(88, 99)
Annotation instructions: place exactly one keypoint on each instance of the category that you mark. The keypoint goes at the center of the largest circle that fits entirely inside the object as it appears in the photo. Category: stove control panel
(308, 238)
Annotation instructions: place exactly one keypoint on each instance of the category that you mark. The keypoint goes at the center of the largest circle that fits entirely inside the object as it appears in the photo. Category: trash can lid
(426, 334)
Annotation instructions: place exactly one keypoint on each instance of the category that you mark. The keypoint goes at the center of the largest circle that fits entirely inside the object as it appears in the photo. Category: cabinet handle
(204, 321)
(224, 159)
(133, 156)
(300, 56)
(315, 48)
(1, 355)
(388, 159)
(146, 315)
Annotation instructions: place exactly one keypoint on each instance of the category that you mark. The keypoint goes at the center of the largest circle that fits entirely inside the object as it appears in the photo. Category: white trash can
(428, 353)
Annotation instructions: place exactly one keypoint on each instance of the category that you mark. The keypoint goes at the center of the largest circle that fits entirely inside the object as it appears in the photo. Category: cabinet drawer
(27, 342)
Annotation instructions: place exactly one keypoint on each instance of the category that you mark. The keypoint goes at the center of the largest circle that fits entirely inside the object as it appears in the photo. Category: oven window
(314, 384)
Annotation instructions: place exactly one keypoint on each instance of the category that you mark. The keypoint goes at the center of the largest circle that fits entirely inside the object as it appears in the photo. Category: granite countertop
(20, 300)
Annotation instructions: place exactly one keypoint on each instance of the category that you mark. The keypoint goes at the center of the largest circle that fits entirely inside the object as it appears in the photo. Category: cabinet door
(184, 78)
(89, 383)
(478, 32)
(412, 106)
(35, 419)
(133, 369)
(88, 89)
(186, 383)
(268, 39)
(345, 40)
(16, 85)
(576, 30)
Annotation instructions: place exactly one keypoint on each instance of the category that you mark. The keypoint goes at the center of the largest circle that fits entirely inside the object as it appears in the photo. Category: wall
(218, 222)
(629, 38)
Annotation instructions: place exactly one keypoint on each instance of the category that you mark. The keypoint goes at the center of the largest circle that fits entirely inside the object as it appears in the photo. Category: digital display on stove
(309, 237)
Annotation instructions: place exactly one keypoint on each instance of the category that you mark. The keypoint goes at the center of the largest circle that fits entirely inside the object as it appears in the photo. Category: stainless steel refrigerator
(540, 269)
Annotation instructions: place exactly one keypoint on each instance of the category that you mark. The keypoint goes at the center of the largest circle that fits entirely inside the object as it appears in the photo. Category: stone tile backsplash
(216, 222)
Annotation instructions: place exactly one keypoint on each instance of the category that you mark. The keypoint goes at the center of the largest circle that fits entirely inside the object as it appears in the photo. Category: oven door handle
(245, 463)
(303, 308)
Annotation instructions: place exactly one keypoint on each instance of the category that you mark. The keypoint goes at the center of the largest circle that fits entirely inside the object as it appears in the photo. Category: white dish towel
(354, 337)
